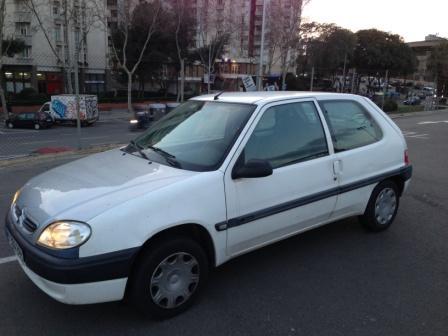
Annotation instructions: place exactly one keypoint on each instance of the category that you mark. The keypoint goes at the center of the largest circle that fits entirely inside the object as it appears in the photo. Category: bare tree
(8, 47)
(78, 19)
(215, 26)
(2, 29)
(183, 36)
(132, 19)
(284, 27)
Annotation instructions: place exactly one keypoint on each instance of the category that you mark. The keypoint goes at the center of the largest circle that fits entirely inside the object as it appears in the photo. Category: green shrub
(390, 106)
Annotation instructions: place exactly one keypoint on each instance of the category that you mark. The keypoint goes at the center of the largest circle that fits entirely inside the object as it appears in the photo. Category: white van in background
(62, 108)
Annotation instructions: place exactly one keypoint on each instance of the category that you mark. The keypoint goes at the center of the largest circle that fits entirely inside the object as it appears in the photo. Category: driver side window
(287, 134)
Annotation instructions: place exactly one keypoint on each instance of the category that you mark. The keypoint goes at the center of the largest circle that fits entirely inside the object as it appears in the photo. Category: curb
(39, 158)
(410, 114)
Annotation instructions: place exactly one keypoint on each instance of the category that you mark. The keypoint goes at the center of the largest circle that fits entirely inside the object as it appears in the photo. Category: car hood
(82, 189)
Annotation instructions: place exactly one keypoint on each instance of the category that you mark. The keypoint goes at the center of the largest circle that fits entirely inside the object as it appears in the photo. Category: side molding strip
(405, 173)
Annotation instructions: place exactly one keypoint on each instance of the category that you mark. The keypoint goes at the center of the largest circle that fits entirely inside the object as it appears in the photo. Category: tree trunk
(182, 80)
(3, 100)
(130, 109)
(2, 92)
(209, 68)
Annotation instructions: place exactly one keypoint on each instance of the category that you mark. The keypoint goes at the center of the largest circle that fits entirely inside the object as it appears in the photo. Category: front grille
(29, 225)
(24, 220)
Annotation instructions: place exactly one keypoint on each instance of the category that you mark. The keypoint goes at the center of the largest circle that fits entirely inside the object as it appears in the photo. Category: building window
(22, 28)
(17, 81)
(56, 7)
(95, 83)
(26, 52)
(57, 33)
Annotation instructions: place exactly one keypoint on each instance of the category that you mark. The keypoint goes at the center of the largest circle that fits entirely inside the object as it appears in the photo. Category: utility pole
(353, 81)
(386, 84)
(343, 72)
(260, 66)
(312, 79)
(76, 68)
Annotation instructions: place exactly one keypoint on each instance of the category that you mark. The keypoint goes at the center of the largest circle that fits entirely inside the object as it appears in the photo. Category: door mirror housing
(252, 169)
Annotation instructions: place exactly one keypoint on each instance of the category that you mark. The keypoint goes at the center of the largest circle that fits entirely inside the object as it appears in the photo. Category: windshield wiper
(162, 152)
(139, 149)
(170, 158)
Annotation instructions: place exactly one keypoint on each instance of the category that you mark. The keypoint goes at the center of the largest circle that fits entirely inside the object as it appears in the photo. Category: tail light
(406, 158)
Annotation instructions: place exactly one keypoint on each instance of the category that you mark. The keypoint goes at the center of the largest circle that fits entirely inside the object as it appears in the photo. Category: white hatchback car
(217, 177)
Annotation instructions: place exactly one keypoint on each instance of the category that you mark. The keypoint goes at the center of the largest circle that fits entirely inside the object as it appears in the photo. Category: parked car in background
(414, 100)
(36, 120)
(219, 176)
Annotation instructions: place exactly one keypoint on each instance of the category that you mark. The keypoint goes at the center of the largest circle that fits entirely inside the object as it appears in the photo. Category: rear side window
(351, 126)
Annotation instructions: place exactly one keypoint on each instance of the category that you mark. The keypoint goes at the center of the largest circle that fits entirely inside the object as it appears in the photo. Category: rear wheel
(169, 277)
(382, 207)
(10, 125)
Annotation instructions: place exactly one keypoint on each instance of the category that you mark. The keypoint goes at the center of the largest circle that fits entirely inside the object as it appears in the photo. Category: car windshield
(196, 136)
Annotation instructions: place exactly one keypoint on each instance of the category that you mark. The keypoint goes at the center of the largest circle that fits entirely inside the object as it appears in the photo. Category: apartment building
(242, 19)
(52, 34)
(423, 51)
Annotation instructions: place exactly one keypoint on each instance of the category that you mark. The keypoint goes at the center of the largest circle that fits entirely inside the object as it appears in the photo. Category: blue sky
(409, 18)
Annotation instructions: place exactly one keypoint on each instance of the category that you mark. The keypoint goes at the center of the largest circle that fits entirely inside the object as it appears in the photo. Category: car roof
(263, 97)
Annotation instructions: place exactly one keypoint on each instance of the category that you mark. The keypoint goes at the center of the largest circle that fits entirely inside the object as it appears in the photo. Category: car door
(31, 119)
(298, 195)
(21, 120)
(361, 152)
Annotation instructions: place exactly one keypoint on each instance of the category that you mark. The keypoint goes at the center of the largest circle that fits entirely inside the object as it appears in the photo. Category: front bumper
(73, 280)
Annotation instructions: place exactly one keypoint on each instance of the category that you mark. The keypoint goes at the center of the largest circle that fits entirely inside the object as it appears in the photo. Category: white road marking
(415, 135)
(39, 142)
(433, 122)
(7, 259)
(6, 157)
(418, 136)
(97, 137)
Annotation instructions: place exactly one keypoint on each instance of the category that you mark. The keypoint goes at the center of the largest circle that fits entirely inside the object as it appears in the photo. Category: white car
(217, 177)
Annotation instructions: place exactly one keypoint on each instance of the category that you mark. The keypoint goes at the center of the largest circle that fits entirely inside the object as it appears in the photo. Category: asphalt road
(108, 130)
(336, 280)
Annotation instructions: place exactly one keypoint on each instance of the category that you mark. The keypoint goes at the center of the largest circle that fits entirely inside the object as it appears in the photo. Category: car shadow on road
(311, 268)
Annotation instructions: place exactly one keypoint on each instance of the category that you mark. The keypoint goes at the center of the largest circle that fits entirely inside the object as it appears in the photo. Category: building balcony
(23, 16)
(27, 39)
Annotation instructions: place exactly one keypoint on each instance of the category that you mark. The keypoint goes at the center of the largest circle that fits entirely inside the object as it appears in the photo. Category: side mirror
(252, 169)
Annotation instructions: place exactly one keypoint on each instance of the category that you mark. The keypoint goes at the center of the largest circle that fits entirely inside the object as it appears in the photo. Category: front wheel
(169, 277)
(36, 126)
(10, 125)
(382, 207)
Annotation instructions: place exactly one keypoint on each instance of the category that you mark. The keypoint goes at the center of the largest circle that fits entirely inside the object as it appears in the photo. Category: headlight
(16, 196)
(133, 121)
(64, 235)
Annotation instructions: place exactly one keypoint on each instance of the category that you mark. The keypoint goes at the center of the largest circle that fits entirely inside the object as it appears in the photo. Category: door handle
(337, 169)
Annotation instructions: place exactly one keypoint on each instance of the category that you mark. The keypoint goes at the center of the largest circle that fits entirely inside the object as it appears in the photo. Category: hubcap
(174, 280)
(385, 206)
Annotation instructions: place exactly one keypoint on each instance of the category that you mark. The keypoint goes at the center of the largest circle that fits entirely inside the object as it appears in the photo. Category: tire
(10, 125)
(163, 293)
(382, 207)
(36, 126)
